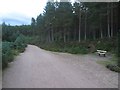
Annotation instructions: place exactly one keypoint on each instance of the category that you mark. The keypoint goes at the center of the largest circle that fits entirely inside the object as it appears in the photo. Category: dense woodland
(69, 27)
(65, 22)
(80, 21)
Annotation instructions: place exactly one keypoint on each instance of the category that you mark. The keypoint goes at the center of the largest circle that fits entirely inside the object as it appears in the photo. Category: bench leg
(99, 54)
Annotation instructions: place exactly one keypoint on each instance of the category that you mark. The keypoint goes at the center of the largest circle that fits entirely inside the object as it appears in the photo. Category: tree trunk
(40, 37)
(68, 36)
(64, 33)
(111, 19)
(101, 33)
(60, 34)
(108, 21)
(79, 25)
(74, 34)
(85, 25)
(52, 35)
(69, 39)
(49, 38)
(94, 35)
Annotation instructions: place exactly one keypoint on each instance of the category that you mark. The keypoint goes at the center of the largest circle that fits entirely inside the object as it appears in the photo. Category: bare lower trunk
(49, 38)
(40, 37)
(108, 21)
(94, 35)
(101, 33)
(111, 19)
(68, 36)
(79, 24)
(60, 34)
(85, 25)
(74, 34)
(52, 35)
(64, 33)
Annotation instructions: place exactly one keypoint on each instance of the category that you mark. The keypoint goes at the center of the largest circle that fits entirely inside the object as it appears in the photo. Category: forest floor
(38, 68)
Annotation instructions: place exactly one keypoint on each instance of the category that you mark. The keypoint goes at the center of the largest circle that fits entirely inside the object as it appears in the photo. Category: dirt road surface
(37, 68)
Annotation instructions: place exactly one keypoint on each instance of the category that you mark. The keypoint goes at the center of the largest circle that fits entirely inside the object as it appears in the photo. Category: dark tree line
(63, 21)
(67, 22)
(10, 33)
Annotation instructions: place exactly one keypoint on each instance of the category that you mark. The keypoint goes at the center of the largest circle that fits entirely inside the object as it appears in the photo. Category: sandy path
(37, 68)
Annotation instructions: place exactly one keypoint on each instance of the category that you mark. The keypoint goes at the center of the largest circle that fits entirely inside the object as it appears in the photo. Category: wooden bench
(101, 52)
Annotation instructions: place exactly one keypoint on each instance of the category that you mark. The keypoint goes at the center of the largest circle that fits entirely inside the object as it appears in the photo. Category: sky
(18, 12)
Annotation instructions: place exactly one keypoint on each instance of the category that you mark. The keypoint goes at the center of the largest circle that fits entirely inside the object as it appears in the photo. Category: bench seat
(101, 52)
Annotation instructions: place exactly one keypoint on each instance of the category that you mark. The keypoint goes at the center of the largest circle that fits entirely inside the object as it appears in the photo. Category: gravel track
(38, 68)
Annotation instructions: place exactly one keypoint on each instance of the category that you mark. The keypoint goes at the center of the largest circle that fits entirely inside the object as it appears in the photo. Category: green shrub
(34, 40)
(80, 49)
(75, 48)
(113, 67)
(9, 49)
(114, 64)
(111, 64)
(7, 53)
(20, 43)
(107, 44)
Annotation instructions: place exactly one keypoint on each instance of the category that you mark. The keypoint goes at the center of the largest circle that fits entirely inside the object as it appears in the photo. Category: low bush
(111, 64)
(10, 49)
(75, 50)
(107, 44)
(66, 47)
(20, 43)
(113, 67)
(7, 53)
(34, 40)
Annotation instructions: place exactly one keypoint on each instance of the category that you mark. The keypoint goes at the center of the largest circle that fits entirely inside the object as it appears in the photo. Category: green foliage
(10, 33)
(14, 36)
(75, 47)
(20, 43)
(10, 49)
(107, 44)
(7, 53)
(113, 67)
(112, 64)
(78, 50)
(66, 47)
(34, 40)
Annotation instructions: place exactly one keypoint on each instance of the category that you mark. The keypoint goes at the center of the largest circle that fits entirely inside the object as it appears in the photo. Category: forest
(77, 28)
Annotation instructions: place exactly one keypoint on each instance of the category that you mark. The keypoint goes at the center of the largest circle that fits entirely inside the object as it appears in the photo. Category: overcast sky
(17, 12)
(20, 11)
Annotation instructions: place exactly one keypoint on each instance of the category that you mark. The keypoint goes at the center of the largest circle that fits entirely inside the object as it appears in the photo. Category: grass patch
(112, 64)
(103, 62)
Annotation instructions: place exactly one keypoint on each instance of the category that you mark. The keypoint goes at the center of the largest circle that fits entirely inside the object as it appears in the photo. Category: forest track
(38, 68)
